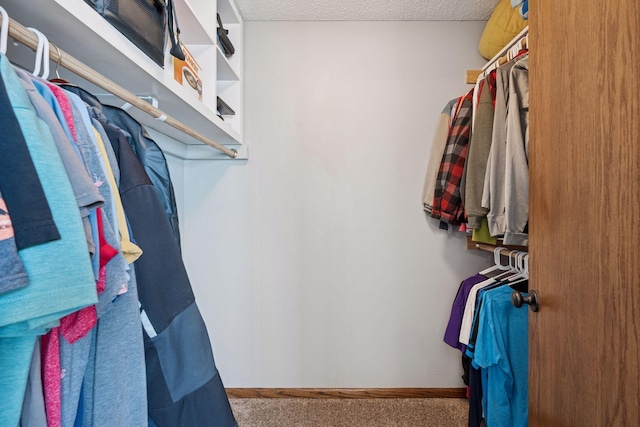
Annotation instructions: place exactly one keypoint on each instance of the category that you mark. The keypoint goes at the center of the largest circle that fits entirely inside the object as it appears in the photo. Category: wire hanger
(58, 62)
(59, 79)
(4, 31)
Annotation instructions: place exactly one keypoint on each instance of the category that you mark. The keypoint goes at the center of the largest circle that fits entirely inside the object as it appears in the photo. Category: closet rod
(21, 34)
(505, 252)
(472, 75)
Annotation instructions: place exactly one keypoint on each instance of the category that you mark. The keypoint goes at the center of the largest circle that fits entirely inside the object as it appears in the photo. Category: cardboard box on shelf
(187, 72)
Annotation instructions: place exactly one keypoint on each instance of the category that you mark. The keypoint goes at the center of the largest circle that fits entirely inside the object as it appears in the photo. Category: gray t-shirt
(12, 272)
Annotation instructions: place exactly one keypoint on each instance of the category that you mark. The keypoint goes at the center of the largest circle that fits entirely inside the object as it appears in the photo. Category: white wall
(313, 262)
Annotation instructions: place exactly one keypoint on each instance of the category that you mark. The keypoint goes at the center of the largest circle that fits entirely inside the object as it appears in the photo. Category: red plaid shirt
(491, 81)
(447, 203)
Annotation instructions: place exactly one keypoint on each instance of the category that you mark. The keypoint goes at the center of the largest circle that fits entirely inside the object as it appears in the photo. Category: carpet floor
(350, 412)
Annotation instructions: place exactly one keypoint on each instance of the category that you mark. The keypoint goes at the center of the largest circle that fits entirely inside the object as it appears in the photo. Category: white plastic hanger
(42, 55)
(513, 255)
(496, 261)
(524, 274)
(513, 271)
(4, 31)
(45, 59)
(38, 64)
(510, 269)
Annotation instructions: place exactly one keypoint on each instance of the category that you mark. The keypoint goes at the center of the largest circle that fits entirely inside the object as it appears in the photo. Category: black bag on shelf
(144, 22)
(225, 43)
(174, 37)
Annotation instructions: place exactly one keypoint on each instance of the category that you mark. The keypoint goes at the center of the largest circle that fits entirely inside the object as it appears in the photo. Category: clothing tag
(6, 228)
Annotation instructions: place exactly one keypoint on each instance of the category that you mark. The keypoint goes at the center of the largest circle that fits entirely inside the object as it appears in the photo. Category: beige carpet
(350, 412)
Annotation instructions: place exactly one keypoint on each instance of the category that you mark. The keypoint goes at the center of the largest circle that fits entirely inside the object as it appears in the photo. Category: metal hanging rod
(21, 34)
(522, 35)
(500, 58)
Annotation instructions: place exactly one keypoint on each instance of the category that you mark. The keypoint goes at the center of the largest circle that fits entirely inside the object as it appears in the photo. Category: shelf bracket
(150, 99)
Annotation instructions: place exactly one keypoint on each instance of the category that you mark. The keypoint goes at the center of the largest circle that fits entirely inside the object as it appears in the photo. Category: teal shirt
(502, 353)
(60, 275)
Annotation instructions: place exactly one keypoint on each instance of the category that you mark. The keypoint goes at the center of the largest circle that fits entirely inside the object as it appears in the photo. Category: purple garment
(457, 311)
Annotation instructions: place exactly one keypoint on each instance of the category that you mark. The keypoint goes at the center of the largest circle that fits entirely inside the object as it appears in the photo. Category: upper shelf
(192, 30)
(225, 69)
(80, 31)
(228, 12)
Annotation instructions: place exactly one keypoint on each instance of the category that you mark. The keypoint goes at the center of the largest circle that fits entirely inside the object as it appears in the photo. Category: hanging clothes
(517, 156)
(437, 150)
(447, 201)
(495, 345)
(130, 251)
(482, 182)
(33, 410)
(153, 160)
(479, 147)
(506, 190)
(12, 273)
(477, 91)
(87, 195)
(147, 151)
(493, 196)
(184, 386)
(470, 309)
(85, 185)
(452, 332)
(22, 191)
(63, 354)
(118, 338)
(484, 325)
(502, 351)
(61, 280)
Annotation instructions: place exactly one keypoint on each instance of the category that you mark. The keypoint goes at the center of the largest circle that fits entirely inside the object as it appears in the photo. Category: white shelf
(192, 29)
(84, 34)
(229, 83)
(228, 12)
(235, 35)
(225, 69)
(197, 152)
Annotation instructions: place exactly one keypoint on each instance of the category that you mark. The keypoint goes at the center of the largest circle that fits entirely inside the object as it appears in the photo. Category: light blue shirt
(51, 99)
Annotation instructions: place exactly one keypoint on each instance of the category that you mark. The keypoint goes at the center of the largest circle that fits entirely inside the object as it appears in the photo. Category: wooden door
(585, 213)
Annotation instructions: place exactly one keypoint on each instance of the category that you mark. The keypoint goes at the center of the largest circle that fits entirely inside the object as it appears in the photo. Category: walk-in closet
(319, 214)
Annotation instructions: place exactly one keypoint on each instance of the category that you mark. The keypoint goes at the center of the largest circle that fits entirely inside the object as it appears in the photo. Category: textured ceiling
(365, 10)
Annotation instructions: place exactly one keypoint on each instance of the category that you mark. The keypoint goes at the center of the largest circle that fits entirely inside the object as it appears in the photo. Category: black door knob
(532, 300)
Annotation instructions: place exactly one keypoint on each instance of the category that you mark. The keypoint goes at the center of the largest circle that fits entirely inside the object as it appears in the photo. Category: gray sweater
(476, 165)
(517, 154)
(493, 196)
